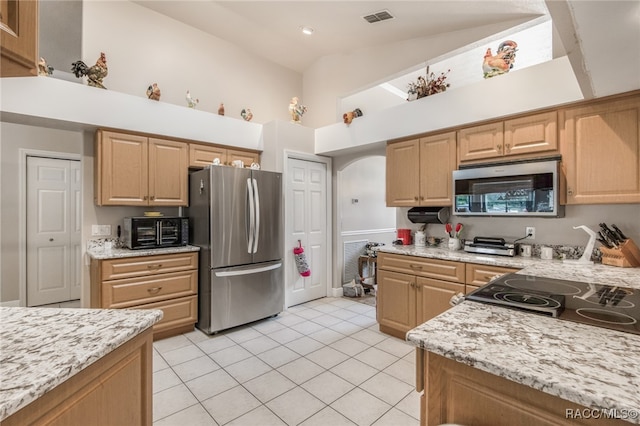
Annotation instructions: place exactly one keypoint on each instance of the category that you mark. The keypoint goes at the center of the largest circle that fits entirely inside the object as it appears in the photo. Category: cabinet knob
(499, 147)
(412, 284)
(421, 198)
(570, 191)
(145, 197)
(415, 198)
(508, 147)
(153, 197)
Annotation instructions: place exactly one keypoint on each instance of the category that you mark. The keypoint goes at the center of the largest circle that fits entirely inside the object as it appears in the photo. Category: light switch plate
(100, 230)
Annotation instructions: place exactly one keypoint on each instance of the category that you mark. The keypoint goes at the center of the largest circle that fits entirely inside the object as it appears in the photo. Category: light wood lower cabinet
(460, 394)
(115, 390)
(412, 290)
(166, 282)
(478, 275)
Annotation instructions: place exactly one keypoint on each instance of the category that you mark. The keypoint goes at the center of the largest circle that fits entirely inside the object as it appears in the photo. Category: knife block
(626, 255)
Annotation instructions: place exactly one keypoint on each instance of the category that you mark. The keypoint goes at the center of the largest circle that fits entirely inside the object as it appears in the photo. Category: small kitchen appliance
(404, 235)
(606, 306)
(491, 245)
(155, 232)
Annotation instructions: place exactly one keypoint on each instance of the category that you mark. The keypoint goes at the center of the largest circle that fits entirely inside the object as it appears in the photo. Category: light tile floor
(320, 363)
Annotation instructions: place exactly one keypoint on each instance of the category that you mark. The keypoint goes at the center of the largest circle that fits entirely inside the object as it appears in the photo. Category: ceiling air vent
(383, 15)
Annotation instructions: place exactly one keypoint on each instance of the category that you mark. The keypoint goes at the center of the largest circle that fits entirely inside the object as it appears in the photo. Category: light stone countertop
(42, 347)
(567, 270)
(100, 253)
(590, 366)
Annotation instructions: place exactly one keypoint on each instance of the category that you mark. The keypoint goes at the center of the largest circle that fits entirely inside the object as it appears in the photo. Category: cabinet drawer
(147, 265)
(422, 267)
(176, 312)
(479, 275)
(135, 291)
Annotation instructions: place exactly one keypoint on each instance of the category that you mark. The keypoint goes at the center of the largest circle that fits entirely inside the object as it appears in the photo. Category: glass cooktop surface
(607, 306)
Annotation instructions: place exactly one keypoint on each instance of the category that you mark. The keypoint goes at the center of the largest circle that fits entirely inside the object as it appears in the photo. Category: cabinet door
(203, 155)
(531, 134)
(437, 162)
(246, 157)
(403, 174)
(18, 38)
(478, 275)
(600, 146)
(433, 297)
(121, 164)
(168, 173)
(396, 302)
(480, 142)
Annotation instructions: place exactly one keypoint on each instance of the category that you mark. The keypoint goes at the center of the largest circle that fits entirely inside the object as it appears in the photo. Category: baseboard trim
(10, 304)
(337, 292)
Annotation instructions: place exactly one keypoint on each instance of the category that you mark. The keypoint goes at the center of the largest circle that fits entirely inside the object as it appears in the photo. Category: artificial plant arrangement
(430, 85)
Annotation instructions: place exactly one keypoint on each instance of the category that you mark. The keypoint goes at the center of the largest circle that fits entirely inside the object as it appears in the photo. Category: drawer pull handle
(156, 266)
(412, 266)
(154, 290)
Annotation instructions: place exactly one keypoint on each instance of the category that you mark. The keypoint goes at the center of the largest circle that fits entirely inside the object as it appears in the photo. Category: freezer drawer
(240, 295)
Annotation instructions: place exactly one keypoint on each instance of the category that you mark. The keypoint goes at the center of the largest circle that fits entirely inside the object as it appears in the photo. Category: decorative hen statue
(246, 114)
(296, 110)
(502, 62)
(95, 74)
(153, 92)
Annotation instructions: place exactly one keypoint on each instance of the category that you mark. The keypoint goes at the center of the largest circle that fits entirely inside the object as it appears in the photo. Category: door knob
(50, 239)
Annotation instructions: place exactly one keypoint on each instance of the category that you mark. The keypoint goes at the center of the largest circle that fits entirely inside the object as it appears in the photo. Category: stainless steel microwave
(518, 189)
(155, 232)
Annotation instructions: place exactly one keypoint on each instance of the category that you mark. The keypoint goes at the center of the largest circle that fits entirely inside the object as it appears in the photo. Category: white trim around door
(22, 209)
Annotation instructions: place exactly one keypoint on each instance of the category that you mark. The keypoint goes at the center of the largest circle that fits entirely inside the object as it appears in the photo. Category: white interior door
(53, 230)
(306, 201)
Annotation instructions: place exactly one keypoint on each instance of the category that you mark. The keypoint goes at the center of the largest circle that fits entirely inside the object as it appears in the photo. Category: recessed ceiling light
(306, 30)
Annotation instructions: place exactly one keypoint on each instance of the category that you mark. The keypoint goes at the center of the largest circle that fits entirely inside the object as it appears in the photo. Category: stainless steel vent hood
(428, 214)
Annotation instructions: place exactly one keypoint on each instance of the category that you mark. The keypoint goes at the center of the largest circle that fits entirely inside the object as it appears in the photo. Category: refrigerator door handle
(248, 271)
(158, 232)
(251, 216)
(257, 218)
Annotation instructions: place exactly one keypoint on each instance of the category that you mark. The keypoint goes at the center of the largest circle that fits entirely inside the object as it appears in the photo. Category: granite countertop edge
(41, 348)
(565, 367)
(99, 253)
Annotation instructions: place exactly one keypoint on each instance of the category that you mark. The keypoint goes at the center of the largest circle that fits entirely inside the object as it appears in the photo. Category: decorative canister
(405, 236)
(420, 239)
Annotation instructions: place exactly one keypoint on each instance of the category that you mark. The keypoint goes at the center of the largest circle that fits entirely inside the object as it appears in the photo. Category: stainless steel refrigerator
(236, 218)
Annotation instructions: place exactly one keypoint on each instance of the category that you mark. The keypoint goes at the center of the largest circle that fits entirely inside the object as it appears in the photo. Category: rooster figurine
(246, 114)
(94, 74)
(191, 103)
(153, 92)
(502, 62)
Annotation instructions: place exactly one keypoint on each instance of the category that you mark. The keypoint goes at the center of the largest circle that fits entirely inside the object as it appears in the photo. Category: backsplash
(99, 243)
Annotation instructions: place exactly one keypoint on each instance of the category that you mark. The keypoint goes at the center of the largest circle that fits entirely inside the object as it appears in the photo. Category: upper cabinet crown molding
(18, 38)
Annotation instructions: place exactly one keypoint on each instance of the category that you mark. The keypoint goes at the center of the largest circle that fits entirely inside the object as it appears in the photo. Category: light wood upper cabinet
(168, 173)
(515, 138)
(437, 162)
(419, 171)
(201, 155)
(531, 134)
(134, 170)
(18, 38)
(600, 145)
(481, 142)
(403, 173)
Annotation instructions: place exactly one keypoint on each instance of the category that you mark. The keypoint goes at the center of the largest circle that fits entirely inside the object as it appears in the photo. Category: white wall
(14, 138)
(361, 206)
(144, 47)
(333, 77)
(548, 230)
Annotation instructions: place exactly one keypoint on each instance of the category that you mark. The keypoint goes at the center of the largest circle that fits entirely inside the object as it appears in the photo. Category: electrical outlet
(530, 231)
(100, 230)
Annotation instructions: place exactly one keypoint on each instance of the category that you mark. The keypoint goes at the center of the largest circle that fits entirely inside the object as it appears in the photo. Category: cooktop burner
(606, 306)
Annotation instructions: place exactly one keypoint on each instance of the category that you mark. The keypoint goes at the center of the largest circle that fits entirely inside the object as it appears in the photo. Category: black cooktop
(607, 306)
